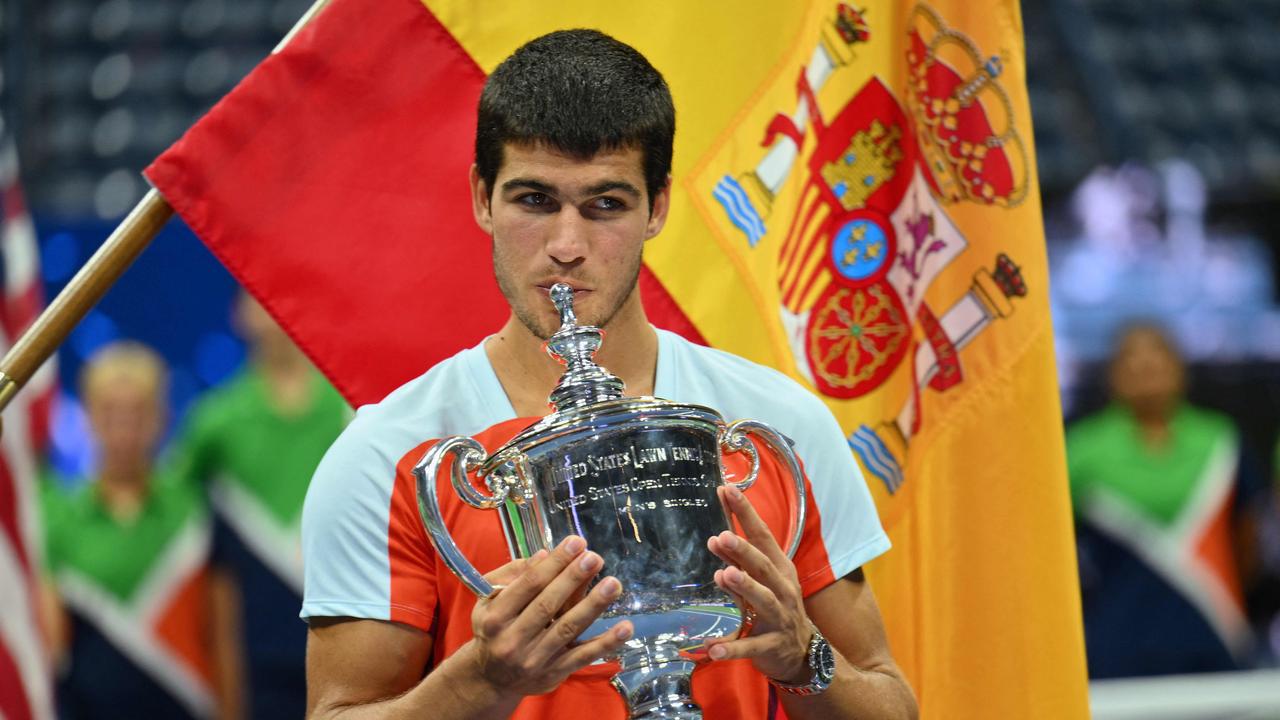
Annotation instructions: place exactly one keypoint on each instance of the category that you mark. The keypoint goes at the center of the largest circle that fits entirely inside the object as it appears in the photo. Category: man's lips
(546, 287)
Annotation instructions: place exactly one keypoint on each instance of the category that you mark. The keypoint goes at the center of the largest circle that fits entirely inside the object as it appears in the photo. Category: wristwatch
(822, 665)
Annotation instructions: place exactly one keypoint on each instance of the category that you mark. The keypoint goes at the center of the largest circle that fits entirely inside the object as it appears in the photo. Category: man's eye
(535, 199)
(608, 203)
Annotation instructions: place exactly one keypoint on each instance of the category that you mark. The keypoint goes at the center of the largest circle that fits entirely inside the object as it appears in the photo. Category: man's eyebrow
(528, 184)
(611, 185)
(597, 189)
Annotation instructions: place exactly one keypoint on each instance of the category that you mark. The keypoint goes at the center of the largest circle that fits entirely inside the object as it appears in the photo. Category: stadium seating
(110, 84)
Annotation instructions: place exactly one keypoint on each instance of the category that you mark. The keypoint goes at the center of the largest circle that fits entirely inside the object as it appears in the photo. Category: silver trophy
(636, 477)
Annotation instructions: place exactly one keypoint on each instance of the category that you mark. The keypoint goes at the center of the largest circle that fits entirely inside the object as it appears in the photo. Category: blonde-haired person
(126, 555)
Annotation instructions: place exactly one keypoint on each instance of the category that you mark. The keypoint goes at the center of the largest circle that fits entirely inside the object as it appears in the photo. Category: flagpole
(84, 291)
(129, 239)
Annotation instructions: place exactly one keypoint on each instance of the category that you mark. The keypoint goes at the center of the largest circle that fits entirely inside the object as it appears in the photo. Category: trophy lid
(575, 346)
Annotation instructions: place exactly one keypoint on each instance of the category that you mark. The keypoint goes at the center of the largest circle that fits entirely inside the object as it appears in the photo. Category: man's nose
(567, 243)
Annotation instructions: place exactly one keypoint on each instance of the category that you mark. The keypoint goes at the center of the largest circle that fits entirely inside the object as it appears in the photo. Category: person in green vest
(252, 444)
(1156, 487)
(126, 558)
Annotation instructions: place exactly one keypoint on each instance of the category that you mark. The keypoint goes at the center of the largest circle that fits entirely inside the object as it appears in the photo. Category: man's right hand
(524, 634)
(523, 645)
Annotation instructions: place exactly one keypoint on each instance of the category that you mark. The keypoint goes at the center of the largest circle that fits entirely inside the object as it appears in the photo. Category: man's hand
(523, 645)
(524, 634)
(764, 579)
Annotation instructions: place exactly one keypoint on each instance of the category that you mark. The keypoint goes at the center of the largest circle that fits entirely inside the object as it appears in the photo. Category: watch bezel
(825, 662)
(822, 664)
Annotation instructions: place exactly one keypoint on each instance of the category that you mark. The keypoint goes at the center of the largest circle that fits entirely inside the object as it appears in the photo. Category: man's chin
(543, 330)
(541, 326)
(543, 321)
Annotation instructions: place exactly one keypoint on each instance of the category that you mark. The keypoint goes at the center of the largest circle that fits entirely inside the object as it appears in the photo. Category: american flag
(24, 672)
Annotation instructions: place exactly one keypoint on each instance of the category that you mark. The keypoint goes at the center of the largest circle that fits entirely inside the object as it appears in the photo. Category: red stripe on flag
(15, 204)
(332, 182)
(40, 413)
(22, 308)
(14, 704)
(663, 310)
(9, 509)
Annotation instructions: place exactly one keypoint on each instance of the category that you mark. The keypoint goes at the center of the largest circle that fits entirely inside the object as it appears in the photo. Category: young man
(573, 155)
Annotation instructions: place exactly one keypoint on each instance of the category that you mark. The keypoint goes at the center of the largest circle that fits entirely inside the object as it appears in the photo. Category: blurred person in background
(253, 444)
(125, 603)
(1163, 526)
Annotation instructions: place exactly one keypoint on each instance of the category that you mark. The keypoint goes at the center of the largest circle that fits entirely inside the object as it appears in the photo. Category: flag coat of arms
(854, 203)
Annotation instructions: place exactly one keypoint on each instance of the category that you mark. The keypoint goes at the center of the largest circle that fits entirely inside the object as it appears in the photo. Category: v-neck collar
(488, 388)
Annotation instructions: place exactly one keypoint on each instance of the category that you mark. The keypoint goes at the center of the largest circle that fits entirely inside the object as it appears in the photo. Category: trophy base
(657, 684)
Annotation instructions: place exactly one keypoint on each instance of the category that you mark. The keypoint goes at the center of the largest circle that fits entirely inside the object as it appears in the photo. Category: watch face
(826, 661)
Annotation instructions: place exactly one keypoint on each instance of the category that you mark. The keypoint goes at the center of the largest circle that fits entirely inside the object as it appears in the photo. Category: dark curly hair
(578, 92)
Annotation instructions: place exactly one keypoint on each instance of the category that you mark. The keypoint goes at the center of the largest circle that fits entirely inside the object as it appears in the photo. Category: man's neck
(122, 487)
(1155, 428)
(287, 377)
(528, 374)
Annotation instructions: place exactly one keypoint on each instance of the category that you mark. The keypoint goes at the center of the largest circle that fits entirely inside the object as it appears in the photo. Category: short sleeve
(345, 531)
(842, 516)
(411, 560)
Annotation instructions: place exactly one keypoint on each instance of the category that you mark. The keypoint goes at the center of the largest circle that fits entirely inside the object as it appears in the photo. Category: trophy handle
(467, 455)
(736, 438)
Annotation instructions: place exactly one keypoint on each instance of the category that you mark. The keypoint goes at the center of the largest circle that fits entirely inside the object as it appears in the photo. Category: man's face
(126, 418)
(555, 218)
(1146, 374)
(263, 334)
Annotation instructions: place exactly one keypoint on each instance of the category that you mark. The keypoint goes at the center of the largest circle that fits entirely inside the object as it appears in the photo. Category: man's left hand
(762, 578)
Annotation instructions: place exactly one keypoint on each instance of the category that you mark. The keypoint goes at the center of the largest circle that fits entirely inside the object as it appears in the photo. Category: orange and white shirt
(367, 555)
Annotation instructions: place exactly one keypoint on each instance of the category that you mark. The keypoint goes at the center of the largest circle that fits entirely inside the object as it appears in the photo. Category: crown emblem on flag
(964, 117)
(843, 31)
(871, 159)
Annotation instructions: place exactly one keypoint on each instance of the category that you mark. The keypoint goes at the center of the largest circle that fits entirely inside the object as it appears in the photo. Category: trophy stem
(656, 684)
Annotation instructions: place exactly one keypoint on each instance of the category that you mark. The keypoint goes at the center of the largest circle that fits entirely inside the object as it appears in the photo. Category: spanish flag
(854, 202)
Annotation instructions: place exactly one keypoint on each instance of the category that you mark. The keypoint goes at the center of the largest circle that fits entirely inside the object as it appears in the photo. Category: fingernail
(610, 587)
(589, 562)
(539, 555)
(717, 652)
(735, 493)
(622, 632)
(733, 576)
(573, 544)
(728, 540)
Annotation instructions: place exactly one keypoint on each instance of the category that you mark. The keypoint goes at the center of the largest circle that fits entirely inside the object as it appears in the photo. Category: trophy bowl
(636, 477)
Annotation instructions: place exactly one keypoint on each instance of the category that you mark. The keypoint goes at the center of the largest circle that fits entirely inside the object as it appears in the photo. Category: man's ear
(661, 205)
(481, 205)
